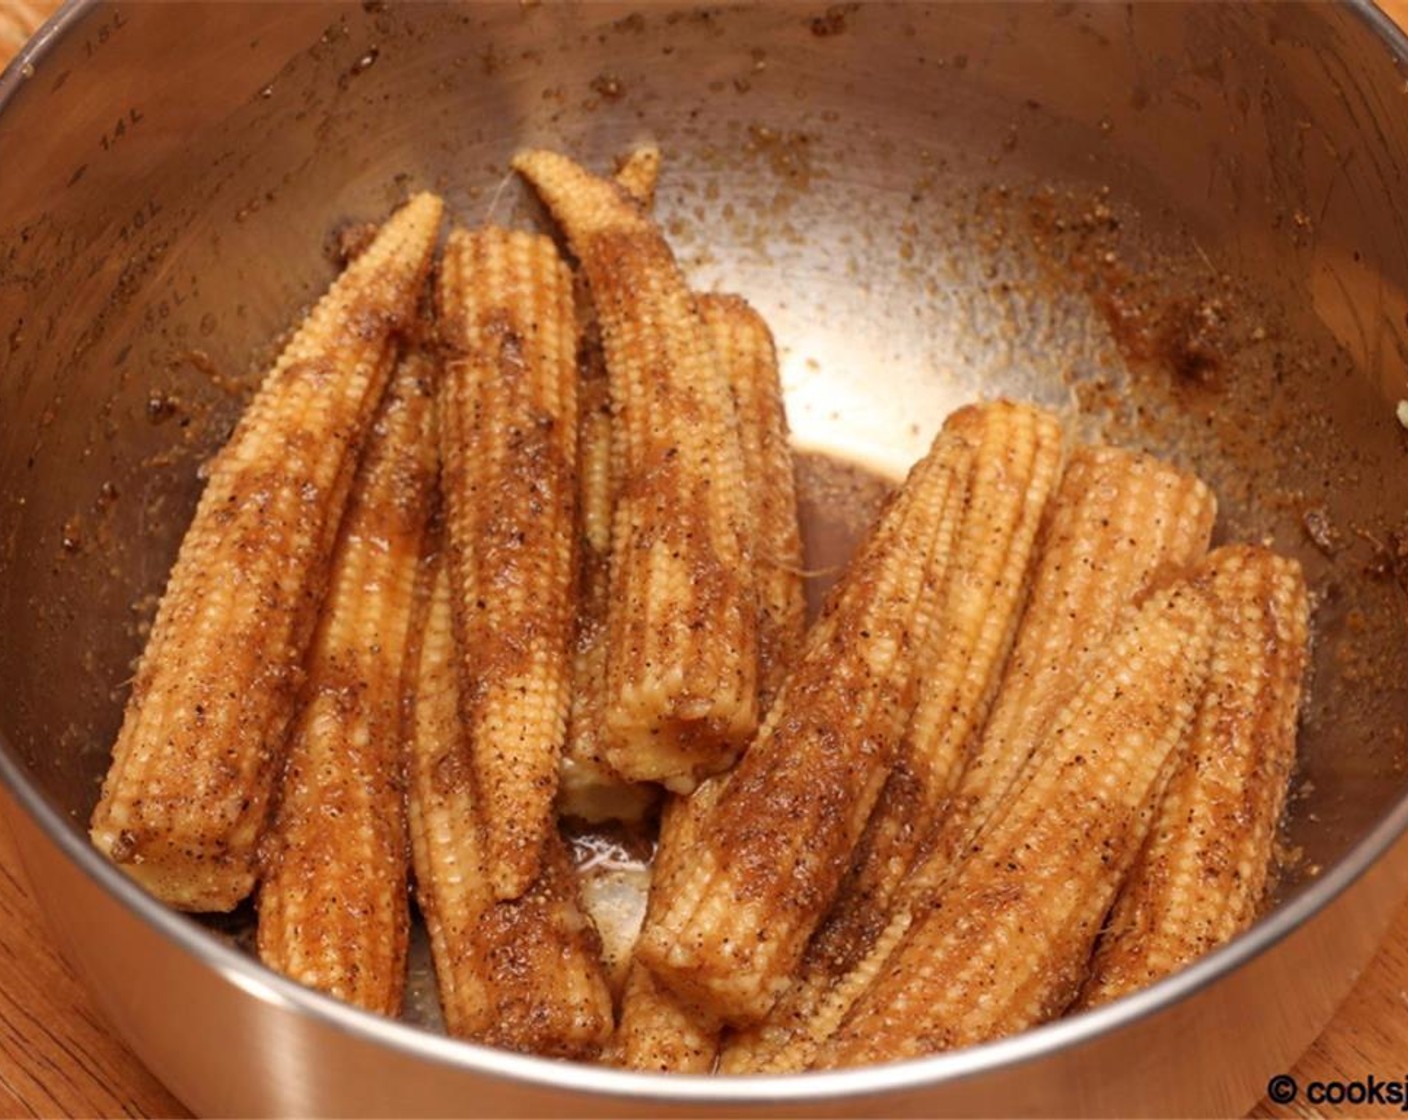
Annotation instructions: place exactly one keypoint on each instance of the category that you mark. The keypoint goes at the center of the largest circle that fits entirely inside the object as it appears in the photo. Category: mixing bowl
(1182, 225)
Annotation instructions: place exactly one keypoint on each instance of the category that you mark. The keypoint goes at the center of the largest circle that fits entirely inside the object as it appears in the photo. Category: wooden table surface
(57, 1057)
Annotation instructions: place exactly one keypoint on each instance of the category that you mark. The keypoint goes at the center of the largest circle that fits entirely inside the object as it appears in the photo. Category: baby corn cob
(203, 736)
(1005, 945)
(525, 974)
(509, 444)
(989, 574)
(1201, 875)
(682, 629)
(659, 1033)
(772, 852)
(589, 788)
(332, 898)
(658, 1030)
(639, 174)
(744, 345)
(1118, 521)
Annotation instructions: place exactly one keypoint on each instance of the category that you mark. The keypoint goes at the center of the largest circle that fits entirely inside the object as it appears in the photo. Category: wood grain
(1368, 1035)
(58, 1058)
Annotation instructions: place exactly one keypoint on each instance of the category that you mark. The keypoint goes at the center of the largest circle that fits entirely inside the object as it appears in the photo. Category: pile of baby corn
(534, 553)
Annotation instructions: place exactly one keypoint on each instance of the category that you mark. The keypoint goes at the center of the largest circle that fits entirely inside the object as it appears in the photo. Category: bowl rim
(247, 973)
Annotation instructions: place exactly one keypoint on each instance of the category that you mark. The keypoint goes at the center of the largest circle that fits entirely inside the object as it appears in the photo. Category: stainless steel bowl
(1182, 223)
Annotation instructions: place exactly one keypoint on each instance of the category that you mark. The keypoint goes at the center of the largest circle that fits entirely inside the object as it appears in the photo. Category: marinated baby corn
(773, 850)
(1005, 944)
(682, 629)
(509, 445)
(1201, 875)
(987, 578)
(589, 788)
(333, 910)
(1120, 522)
(660, 1033)
(185, 800)
(1117, 522)
(639, 174)
(745, 346)
(658, 1030)
(525, 974)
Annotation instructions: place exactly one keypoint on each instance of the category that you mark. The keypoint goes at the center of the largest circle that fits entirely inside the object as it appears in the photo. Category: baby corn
(1117, 522)
(773, 850)
(989, 574)
(639, 174)
(659, 1031)
(589, 788)
(525, 974)
(509, 445)
(682, 629)
(1005, 945)
(744, 345)
(1202, 873)
(1121, 522)
(202, 740)
(333, 912)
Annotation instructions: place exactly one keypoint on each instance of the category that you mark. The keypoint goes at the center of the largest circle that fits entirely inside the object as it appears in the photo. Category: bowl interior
(1175, 223)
